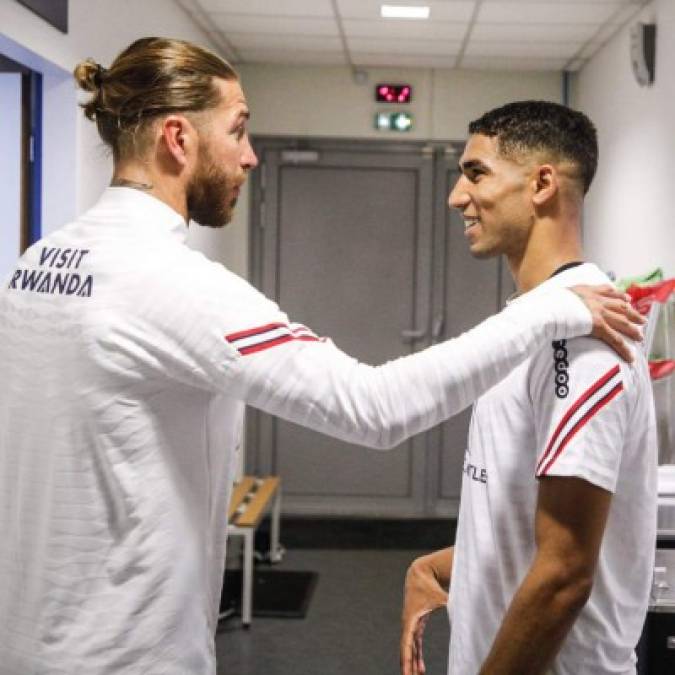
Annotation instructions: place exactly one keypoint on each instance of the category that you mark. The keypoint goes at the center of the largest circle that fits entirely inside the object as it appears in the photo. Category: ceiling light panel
(232, 23)
(415, 30)
(634, 3)
(512, 32)
(316, 8)
(317, 43)
(404, 11)
(289, 57)
(432, 47)
(547, 12)
(441, 10)
(534, 50)
(496, 63)
(400, 61)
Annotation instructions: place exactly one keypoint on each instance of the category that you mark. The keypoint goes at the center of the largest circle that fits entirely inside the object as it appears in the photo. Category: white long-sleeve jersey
(125, 362)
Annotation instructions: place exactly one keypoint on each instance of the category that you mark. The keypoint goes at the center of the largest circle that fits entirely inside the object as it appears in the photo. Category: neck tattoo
(123, 182)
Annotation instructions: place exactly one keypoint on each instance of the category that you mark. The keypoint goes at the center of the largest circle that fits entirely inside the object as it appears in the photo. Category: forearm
(536, 624)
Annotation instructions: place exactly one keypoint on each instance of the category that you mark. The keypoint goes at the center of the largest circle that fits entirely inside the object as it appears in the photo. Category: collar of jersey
(141, 209)
(586, 273)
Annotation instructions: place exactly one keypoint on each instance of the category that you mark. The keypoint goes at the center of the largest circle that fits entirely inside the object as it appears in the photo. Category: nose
(249, 160)
(459, 197)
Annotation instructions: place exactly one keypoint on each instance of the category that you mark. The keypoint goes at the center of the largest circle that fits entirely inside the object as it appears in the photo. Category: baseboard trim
(358, 533)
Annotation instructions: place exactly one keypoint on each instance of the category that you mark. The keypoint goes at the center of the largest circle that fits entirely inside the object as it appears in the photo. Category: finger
(615, 341)
(633, 315)
(406, 659)
(621, 323)
(612, 292)
(407, 650)
(419, 637)
(419, 656)
(626, 309)
(606, 291)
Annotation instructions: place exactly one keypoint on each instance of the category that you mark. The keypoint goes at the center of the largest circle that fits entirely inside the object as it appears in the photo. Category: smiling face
(224, 159)
(494, 194)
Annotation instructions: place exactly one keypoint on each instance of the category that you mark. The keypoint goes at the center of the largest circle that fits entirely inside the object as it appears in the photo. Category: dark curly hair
(542, 126)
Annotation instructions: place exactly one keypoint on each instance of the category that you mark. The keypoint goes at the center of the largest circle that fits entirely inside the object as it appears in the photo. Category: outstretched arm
(314, 384)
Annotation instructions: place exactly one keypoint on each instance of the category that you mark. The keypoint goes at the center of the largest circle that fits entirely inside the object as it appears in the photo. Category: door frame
(31, 150)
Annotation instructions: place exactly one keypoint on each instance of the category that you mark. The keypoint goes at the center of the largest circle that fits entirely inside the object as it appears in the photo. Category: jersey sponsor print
(58, 274)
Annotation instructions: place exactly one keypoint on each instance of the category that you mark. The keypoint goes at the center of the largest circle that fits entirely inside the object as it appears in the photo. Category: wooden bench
(251, 499)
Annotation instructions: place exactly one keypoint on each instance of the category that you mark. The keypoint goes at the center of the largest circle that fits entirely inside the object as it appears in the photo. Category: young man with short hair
(555, 543)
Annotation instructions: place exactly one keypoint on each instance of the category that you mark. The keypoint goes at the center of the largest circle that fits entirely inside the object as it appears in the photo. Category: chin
(483, 254)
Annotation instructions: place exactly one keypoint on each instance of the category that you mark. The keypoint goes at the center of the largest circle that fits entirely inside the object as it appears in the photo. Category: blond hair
(151, 77)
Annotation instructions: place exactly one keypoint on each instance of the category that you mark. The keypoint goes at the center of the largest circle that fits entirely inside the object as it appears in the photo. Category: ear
(180, 139)
(545, 183)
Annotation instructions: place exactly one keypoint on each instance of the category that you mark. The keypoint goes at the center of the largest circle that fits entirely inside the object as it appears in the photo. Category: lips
(470, 222)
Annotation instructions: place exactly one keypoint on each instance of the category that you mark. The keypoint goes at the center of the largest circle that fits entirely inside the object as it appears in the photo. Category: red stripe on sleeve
(254, 331)
(575, 406)
(244, 351)
(581, 423)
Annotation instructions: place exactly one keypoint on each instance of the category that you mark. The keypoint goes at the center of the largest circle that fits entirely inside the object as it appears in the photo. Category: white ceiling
(487, 34)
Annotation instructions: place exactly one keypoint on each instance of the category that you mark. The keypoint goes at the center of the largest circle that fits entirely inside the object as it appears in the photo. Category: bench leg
(275, 547)
(247, 596)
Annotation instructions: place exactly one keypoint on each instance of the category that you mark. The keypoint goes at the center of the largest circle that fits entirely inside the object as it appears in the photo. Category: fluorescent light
(404, 12)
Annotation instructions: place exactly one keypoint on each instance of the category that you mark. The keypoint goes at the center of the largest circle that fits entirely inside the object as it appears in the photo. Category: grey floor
(351, 628)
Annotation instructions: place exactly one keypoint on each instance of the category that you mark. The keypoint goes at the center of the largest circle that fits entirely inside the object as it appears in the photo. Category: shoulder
(190, 273)
(584, 366)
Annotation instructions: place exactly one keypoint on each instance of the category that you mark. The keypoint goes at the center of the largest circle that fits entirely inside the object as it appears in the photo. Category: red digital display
(393, 93)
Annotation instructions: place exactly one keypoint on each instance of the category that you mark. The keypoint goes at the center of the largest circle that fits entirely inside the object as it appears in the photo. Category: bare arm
(570, 522)
(426, 589)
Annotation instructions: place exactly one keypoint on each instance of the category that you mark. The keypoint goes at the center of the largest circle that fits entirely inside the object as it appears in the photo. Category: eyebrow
(472, 165)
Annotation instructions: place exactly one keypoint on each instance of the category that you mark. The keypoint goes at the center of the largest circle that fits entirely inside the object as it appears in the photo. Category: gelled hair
(151, 77)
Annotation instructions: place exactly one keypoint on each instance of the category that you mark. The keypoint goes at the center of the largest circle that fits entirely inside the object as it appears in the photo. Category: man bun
(88, 75)
(153, 76)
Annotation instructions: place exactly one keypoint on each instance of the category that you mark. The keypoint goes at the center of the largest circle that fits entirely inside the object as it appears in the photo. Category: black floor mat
(276, 593)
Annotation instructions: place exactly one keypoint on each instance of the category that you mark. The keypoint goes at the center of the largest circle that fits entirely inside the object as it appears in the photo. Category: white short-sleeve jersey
(125, 362)
(572, 409)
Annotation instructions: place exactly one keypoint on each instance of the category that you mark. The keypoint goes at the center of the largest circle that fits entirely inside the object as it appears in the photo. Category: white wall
(77, 166)
(10, 170)
(629, 219)
(325, 101)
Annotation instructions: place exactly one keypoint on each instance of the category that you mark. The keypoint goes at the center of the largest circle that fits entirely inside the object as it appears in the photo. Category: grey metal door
(357, 242)
(344, 243)
(466, 291)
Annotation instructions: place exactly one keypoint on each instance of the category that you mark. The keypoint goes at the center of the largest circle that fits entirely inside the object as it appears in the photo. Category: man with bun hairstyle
(126, 360)
(553, 558)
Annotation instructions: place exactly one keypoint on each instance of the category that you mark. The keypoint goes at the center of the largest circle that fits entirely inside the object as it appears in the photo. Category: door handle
(412, 334)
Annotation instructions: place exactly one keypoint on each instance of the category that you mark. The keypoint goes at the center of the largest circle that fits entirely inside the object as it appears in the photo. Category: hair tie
(98, 75)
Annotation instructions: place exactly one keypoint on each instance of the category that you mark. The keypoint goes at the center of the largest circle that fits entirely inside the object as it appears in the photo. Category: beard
(210, 200)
